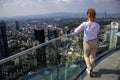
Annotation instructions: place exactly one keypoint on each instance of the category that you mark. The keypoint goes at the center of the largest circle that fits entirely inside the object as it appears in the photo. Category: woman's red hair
(91, 14)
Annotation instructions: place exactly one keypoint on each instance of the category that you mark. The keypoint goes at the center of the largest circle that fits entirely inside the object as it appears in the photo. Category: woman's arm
(80, 28)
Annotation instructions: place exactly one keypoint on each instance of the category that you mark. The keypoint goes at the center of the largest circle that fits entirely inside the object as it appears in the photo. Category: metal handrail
(19, 54)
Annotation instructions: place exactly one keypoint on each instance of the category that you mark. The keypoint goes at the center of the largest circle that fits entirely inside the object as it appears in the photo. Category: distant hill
(53, 15)
(49, 15)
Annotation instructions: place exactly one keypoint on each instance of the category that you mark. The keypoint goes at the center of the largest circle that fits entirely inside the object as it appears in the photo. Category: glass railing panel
(19, 66)
(65, 53)
(61, 58)
(44, 74)
(104, 39)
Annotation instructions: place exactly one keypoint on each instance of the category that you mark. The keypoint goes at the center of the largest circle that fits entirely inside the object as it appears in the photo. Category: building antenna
(105, 15)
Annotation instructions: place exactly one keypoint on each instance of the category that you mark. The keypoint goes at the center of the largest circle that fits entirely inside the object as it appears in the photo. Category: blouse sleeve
(80, 28)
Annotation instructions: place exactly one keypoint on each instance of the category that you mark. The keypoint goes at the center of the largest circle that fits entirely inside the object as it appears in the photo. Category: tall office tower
(40, 37)
(52, 33)
(3, 41)
(17, 25)
(107, 33)
(114, 39)
(105, 15)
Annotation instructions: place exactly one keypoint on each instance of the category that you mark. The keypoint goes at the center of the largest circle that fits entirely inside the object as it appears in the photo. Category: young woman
(91, 30)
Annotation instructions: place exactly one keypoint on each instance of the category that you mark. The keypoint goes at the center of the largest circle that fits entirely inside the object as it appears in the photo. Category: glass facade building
(3, 41)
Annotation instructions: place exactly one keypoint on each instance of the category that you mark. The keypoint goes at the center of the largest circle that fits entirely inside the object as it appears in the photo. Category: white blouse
(91, 30)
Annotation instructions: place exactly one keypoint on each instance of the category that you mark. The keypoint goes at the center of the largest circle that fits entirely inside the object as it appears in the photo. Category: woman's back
(91, 30)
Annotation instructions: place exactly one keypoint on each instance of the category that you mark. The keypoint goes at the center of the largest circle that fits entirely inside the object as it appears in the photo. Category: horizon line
(55, 13)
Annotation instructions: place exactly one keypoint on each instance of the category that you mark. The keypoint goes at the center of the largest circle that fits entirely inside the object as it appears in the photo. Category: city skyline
(10, 8)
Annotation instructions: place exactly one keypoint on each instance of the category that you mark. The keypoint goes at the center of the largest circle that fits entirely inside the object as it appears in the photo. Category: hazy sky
(30, 7)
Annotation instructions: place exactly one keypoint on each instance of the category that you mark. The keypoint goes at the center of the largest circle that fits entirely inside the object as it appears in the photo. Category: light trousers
(90, 49)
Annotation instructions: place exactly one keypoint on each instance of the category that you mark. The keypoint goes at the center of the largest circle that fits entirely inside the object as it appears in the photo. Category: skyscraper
(40, 37)
(105, 15)
(52, 33)
(17, 25)
(114, 40)
(3, 41)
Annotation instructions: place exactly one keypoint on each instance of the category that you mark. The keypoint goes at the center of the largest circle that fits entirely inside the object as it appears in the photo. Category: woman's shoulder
(97, 24)
(85, 22)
